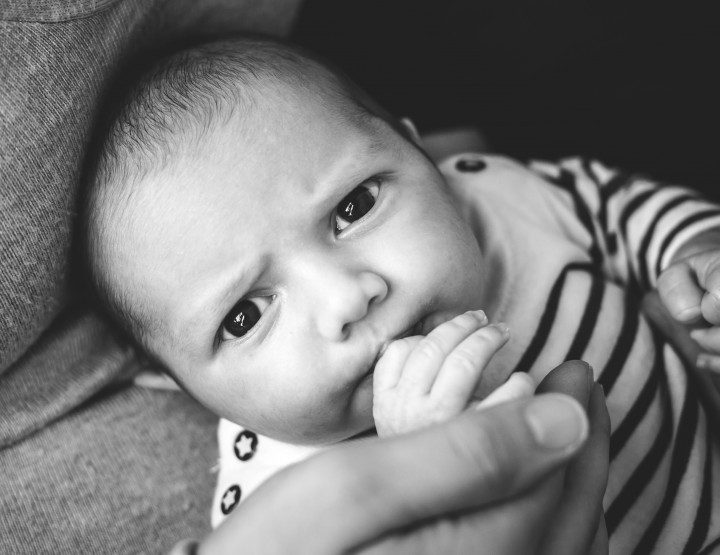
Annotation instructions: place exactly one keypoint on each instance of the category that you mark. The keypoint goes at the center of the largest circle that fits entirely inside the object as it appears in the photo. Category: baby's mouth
(415, 329)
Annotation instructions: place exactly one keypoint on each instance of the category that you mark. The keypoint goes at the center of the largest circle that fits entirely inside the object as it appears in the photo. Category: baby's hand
(422, 380)
(690, 290)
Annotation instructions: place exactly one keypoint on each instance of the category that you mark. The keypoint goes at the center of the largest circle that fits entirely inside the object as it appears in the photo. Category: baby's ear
(411, 130)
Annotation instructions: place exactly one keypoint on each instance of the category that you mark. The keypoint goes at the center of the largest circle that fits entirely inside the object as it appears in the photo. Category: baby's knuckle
(431, 348)
(713, 265)
(394, 348)
(445, 408)
(462, 360)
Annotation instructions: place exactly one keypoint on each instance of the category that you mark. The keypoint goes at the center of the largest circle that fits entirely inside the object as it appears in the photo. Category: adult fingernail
(556, 421)
(591, 379)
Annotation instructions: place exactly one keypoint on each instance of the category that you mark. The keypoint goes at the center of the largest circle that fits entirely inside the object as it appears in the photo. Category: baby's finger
(680, 292)
(389, 367)
(708, 361)
(427, 358)
(708, 339)
(710, 307)
(460, 374)
(706, 266)
(518, 386)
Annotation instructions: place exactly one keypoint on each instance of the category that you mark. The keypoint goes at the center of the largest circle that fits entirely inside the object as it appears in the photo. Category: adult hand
(579, 523)
(487, 481)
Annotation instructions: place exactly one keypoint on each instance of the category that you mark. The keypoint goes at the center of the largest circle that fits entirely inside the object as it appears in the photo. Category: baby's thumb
(680, 293)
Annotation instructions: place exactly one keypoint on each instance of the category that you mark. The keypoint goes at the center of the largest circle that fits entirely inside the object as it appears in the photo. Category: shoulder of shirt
(468, 174)
(460, 165)
(506, 190)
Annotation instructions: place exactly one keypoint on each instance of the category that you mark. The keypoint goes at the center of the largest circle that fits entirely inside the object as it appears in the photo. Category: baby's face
(281, 267)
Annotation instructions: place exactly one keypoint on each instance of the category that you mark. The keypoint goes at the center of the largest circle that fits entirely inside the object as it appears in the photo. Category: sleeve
(636, 224)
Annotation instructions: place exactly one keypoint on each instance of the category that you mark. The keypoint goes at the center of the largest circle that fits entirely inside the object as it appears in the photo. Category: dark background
(634, 84)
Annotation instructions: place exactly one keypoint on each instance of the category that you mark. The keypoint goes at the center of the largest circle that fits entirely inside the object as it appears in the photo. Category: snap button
(231, 499)
(471, 165)
(245, 445)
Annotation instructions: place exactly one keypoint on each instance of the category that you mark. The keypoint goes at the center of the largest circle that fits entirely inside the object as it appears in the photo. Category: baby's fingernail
(479, 315)
(522, 381)
(698, 334)
(687, 314)
(502, 328)
(708, 362)
(556, 421)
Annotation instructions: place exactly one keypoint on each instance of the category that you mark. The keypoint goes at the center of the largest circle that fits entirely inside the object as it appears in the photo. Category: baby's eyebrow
(380, 141)
(377, 146)
(348, 170)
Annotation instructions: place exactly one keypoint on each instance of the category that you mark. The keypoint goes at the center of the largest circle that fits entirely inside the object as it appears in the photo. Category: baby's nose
(345, 298)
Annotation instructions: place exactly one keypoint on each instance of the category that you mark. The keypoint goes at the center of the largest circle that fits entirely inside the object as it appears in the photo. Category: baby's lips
(382, 351)
(414, 331)
(385, 346)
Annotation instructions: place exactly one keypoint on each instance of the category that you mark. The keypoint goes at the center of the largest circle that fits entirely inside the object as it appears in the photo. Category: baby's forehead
(224, 178)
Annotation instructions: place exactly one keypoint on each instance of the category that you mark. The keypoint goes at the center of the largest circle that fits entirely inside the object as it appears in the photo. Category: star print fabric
(246, 460)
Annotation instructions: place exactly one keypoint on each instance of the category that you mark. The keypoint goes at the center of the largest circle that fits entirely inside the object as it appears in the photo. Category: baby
(287, 251)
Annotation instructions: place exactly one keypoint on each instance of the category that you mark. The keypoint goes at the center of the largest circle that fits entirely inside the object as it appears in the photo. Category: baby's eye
(243, 316)
(356, 204)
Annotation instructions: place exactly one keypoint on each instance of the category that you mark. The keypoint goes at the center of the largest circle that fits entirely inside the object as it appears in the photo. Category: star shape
(230, 499)
(244, 446)
(246, 443)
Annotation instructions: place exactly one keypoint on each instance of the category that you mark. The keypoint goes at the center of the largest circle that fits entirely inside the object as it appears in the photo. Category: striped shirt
(577, 246)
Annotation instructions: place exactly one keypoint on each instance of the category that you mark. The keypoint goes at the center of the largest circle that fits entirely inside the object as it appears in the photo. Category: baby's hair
(171, 107)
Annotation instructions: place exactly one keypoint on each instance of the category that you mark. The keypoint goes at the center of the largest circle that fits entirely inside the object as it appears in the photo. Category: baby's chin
(319, 436)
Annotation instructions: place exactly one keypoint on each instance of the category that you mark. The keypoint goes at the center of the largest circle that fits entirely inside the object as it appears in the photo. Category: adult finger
(580, 511)
(364, 490)
(576, 521)
(601, 543)
(546, 507)
(486, 531)
(573, 377)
